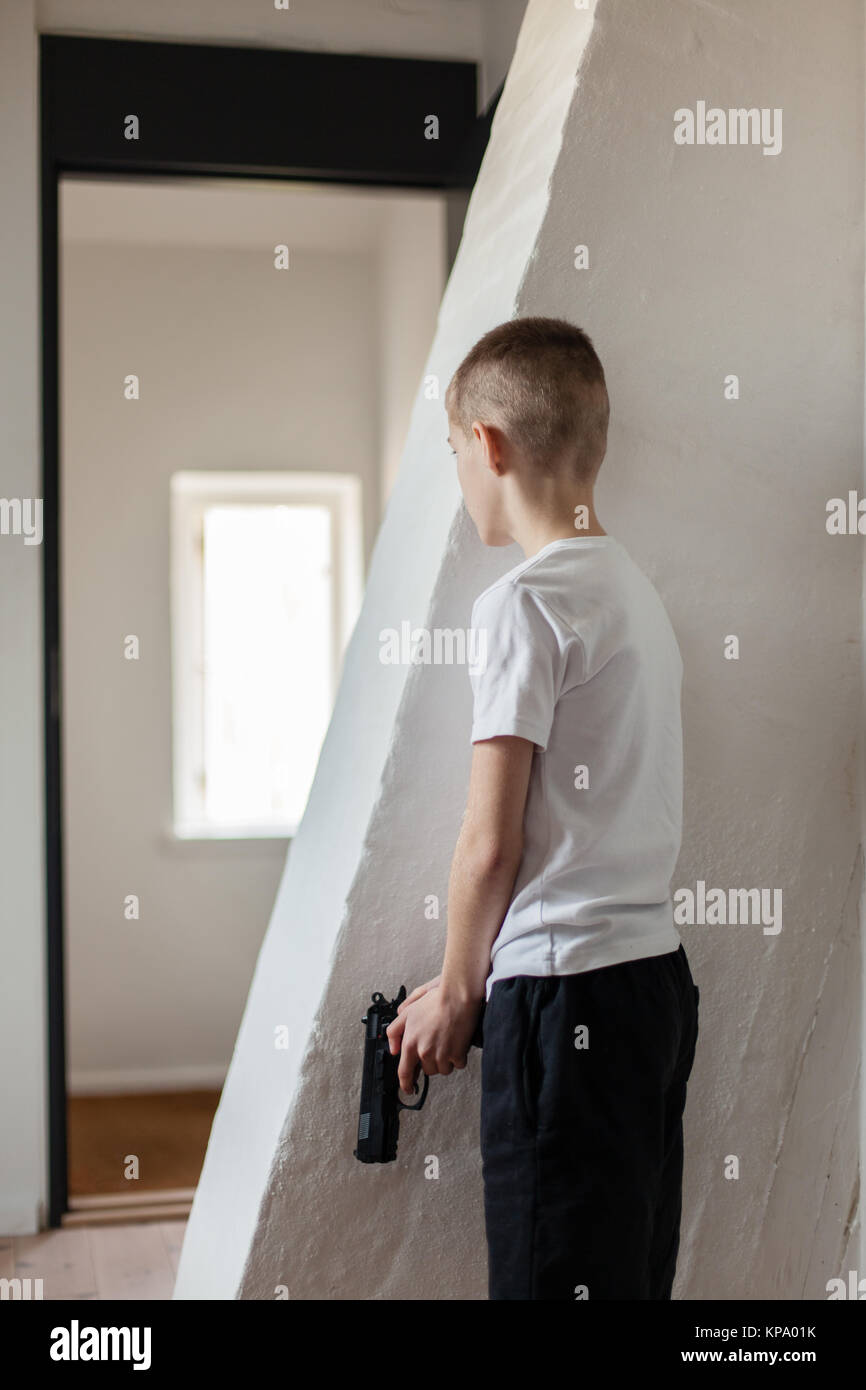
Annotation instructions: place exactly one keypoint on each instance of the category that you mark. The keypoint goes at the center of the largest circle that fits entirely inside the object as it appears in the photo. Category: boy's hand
(417, 993)
(432, 1035)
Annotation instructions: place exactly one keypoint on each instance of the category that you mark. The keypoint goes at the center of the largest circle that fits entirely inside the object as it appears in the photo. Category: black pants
(582, 1096)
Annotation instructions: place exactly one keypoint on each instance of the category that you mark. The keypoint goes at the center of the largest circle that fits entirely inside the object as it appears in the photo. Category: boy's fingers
(394, 1034)
(408, 1068)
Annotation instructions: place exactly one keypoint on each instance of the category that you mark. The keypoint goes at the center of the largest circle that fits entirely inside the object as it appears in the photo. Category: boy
(561, 877)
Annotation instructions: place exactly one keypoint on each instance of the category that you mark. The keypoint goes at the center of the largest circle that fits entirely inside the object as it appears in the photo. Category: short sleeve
(516, 672)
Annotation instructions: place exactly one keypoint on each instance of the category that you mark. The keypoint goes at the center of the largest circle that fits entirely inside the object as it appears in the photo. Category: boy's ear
(492, 440)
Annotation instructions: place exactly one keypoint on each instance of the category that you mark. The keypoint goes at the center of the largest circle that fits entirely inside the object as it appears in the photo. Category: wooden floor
(167, 1132)
(98, 1262)
(110, 1249)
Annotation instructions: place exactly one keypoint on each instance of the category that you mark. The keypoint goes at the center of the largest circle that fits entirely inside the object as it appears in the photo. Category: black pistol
(379, 1120)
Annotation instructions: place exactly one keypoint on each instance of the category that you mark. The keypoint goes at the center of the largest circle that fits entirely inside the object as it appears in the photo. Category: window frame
(191, 492)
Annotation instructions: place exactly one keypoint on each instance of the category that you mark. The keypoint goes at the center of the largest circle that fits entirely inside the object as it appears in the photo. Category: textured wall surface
(704, 260)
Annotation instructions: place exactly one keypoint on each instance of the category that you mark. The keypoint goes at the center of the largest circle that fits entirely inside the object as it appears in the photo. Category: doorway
(184, 352)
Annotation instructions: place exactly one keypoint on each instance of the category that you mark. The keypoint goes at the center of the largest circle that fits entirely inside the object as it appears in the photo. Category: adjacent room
(220, 502)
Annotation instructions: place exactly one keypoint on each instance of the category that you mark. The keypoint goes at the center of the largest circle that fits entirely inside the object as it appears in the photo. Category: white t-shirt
(582, 659)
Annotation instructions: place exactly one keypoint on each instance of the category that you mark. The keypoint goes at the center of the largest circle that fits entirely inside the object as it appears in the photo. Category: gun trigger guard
(402, 1104)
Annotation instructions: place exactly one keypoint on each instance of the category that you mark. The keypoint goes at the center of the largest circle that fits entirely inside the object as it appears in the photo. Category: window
(266, 585)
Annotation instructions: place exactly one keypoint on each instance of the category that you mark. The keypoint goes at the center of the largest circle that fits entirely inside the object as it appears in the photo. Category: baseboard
(127, 1200)
(132, 1080)
(127, 1215)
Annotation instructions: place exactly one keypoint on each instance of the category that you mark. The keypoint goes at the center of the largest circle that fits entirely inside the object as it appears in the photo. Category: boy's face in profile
(482, 487)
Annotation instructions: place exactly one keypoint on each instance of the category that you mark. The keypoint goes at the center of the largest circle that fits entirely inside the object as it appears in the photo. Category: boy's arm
(434, 1031)
(486, 860)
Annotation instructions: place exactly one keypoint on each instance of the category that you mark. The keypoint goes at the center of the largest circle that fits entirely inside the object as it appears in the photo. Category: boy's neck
(533, 533)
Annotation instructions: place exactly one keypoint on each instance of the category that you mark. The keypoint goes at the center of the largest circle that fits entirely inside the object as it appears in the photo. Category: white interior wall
(433, 28)
(702, 262)
(233, 376)
(412, 272)
(23, 1077)
(426, 29)
(500, 25)
(471, 30)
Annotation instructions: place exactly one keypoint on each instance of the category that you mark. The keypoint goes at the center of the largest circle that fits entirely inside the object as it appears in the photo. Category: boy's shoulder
(560, 580)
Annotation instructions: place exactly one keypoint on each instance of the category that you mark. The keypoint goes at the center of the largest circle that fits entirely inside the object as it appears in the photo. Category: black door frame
(209, 110)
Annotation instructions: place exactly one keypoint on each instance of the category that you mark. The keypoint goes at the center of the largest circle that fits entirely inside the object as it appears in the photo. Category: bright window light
(266, 586)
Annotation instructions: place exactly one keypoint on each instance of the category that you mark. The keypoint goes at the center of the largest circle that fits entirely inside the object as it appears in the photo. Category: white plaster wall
(411, 268)
(281, 1199)
(23, 1078)
(468, 30)
(703, 261)
(500, 25)
(419, 28)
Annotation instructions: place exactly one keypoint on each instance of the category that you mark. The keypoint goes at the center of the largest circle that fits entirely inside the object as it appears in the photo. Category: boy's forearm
(479, 894)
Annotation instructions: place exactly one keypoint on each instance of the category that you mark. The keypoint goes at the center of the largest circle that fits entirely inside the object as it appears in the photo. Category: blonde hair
(541, 382)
